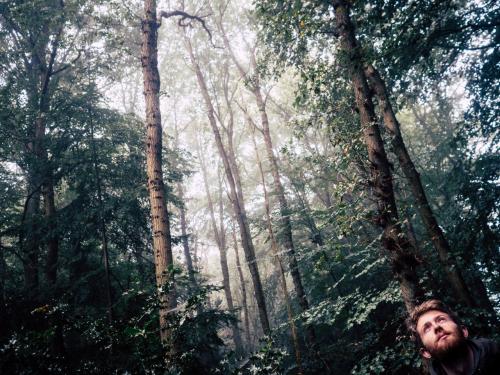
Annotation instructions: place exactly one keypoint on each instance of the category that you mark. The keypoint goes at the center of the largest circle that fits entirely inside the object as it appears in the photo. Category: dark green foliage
(48, 337)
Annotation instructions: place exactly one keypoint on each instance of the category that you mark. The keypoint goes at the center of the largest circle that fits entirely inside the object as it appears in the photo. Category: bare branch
(63, 68)
(249, 119)
(185, 20)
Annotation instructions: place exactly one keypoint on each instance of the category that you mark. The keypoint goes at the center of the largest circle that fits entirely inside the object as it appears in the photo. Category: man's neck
(460, 365)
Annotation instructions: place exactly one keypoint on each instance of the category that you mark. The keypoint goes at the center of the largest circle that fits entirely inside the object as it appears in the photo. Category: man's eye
(426, 329)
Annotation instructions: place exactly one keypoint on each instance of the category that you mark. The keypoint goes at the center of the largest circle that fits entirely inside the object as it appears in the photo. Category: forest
(244, 187)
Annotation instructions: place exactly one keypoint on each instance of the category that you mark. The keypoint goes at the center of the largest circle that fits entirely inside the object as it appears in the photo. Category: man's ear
(425, 353)
(465, 331)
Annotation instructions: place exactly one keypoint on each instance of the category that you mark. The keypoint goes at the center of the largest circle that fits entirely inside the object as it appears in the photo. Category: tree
(279, 265)
(220, 238)
(433, 229)
(285, 233)
(394, 240)
(232, 177)
(160, 221)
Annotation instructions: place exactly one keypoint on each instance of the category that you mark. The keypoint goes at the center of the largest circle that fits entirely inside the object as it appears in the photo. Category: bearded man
(445, 343)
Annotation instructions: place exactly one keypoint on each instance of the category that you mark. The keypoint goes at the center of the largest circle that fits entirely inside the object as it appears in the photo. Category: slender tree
(102, 221)
(38, 46)
(220, 239)
(183, 221)
(242, 285)
(162, 241)
(285, 233)
(434, 231)
(279, 265)
(394, 240)
(238, 204)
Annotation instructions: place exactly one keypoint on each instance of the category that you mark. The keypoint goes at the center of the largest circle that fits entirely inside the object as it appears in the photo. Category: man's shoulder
(488, 355)
(486, 346)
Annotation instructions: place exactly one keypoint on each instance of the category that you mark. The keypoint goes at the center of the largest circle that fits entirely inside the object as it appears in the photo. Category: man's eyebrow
(425, 325)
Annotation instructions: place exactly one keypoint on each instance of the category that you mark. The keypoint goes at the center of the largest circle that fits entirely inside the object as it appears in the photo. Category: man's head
(437, 330)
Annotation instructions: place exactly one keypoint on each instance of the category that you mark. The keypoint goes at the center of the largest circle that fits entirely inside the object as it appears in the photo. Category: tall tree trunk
(279, 265)
(285, 233)
(47, 187)
(3, 271)
(39, 180)
(195, 256)
(238, 205)
(53, 237)
(221, 244)
(185, 237)
(243, 287)
(182, 213)
(30, 235)
(102, 224)
(160, 222)
(402, 259)
(434, 231)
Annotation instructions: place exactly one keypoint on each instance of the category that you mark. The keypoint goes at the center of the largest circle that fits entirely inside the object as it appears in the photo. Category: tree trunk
(279, 265)
(285, 233)
(47, 186)
(3, 271)
(221, 245)
(185, 238)
(53, 238)
(238, 206)
(402, 259)
(243, 288)
(162, 242)
(30, 235)
(102, 224)
(42, 47)
(434, 231)
(182, 213)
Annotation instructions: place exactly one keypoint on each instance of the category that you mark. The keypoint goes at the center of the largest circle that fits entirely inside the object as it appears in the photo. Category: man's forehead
(429, 316)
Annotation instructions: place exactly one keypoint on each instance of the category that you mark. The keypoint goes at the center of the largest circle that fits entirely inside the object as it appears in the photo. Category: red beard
(449, 344)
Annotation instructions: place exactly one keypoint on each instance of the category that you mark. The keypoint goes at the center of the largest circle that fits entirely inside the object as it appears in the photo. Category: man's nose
(437, 327)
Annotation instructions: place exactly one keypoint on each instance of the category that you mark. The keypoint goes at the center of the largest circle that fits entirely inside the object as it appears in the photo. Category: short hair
(419, 310)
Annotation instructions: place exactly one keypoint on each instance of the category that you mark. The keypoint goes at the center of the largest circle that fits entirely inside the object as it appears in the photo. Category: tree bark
(238, 205)
(40, 179)
(160, 222)
(221, 245)
(243, 287)
(185, 238)
(3, 271)
(182, 213)
(102, 224)
(30, 235)
(279, 265)
(47, 187)
(402, 258)
(285, 233)
(432, 227)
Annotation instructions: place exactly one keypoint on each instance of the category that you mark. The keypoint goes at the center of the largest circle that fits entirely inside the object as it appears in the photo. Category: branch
(186, 16)
(63, 68)
(249, 118)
